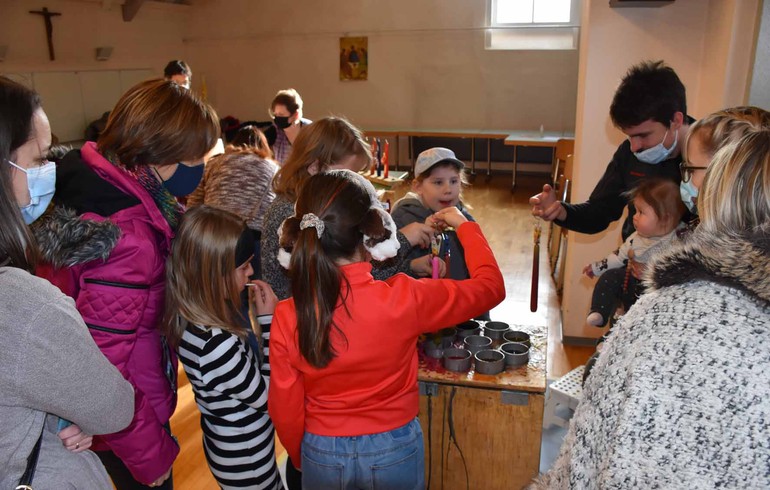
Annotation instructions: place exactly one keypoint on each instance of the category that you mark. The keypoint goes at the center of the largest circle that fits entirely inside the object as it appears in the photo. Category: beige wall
(428, 65)
(702, 41)
(149, 41)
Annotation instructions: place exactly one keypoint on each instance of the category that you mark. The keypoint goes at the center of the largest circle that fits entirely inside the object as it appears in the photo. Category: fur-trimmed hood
(736, 261)
(65, 239)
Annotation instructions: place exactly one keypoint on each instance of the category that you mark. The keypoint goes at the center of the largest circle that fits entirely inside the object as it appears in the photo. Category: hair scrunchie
(310, 220)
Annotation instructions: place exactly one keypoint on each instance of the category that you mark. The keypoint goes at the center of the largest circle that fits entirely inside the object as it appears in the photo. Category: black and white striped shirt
(231, 393)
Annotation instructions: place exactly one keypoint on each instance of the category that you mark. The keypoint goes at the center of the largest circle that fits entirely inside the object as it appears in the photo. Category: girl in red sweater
(343, 391)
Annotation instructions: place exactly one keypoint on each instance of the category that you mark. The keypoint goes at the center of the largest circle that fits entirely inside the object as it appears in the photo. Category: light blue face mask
(657, 153)
(689, 195)
(41, 182)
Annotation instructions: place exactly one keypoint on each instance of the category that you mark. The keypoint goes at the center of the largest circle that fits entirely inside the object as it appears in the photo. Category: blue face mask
(185, 180)
(689, 195)
(41, 182)
(657, 153)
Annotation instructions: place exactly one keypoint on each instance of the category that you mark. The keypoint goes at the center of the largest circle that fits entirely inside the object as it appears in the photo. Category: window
(533, 24)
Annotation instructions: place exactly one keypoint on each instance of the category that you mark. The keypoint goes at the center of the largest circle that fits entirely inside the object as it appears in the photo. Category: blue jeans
(388, 460)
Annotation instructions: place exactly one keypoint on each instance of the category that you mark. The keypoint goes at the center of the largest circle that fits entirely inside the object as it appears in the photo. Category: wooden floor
(508, 225)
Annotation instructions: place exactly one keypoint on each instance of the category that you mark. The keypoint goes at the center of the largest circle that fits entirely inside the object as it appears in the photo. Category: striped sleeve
(228, 367)
(264, 324)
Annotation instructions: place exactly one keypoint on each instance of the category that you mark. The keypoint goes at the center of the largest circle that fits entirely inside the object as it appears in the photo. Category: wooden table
(497, 423)
(532, 138)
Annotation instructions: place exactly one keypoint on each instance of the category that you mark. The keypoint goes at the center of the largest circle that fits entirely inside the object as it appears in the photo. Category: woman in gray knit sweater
(679, 395)
(50, 368)
(240, 181)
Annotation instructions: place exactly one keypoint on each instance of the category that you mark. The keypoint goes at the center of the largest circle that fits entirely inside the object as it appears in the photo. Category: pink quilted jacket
(121, 299)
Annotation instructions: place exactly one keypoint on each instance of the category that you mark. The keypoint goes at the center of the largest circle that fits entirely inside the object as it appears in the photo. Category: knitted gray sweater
(679, 397)
(49, 367)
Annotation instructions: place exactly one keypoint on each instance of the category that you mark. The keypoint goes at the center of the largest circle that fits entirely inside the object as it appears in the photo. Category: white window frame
(533, 35)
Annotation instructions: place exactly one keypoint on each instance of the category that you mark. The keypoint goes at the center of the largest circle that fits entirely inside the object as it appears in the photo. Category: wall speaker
(103, 53)
(3, 52)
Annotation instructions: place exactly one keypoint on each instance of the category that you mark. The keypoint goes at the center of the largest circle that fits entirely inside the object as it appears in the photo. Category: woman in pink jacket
(105, 243)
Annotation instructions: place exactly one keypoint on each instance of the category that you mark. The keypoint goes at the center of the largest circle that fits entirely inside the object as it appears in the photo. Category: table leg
(513, 184)
(473, 157)
(398, 153)
(411, 155)
(489, 158)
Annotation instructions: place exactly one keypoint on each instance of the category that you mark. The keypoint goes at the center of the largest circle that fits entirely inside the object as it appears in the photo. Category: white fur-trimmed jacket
(680, 396)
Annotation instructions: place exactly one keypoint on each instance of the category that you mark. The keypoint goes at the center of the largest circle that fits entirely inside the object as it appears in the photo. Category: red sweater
(371, 386)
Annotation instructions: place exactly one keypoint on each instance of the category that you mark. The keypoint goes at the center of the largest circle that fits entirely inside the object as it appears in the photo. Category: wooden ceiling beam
(130, 9)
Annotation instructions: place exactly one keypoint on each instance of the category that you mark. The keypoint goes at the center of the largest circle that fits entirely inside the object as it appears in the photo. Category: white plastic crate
(564, 393)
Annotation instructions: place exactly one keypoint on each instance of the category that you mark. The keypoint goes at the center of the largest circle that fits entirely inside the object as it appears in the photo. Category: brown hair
(723, 127)
(288, 98)
(735, 197)
(204, 247)
(325, 143)
(158, 122)
(19, 104)
(345, 207)
(250, 138)
(663, 196)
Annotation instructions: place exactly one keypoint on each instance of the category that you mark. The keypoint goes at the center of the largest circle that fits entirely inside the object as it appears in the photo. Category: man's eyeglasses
(686, 171)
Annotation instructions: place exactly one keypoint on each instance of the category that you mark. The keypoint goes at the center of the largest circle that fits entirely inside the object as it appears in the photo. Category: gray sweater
(679, 397)
(239, 182)
(50, 365)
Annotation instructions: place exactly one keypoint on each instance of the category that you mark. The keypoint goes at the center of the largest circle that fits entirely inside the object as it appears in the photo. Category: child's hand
(449, 217)
(75, 439)
(423, 267)
(418, 234)
(588, 271)
(262, 297)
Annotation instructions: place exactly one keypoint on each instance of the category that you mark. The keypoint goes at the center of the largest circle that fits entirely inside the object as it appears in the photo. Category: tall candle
(385, 164)
(374, 156)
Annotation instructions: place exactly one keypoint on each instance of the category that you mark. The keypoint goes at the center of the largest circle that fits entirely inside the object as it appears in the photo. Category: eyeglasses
(686, 171)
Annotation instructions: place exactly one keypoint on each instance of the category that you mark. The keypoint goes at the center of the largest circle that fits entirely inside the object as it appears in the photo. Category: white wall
(705, 42)
(427, 64)
(760, 83)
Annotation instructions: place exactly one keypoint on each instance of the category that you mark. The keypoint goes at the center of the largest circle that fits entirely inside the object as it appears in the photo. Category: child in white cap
(439, 178)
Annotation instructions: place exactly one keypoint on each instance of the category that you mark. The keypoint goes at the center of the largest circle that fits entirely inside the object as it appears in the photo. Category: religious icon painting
(354, 58)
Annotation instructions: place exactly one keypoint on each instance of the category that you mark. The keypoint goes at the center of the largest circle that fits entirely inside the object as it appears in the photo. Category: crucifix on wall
(48, 28)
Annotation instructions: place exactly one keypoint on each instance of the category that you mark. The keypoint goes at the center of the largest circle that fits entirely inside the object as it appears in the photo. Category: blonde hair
(735, 197)
(728, 125)
(325, 143)
(200, 283)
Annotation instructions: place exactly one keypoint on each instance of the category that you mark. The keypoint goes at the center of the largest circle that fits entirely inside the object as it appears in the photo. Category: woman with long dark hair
(51, 373)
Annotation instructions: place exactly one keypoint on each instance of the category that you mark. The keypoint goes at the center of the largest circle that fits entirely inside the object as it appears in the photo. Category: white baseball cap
(432, 156)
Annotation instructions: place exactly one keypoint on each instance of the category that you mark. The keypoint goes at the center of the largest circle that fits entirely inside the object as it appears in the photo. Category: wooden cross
(48, 28)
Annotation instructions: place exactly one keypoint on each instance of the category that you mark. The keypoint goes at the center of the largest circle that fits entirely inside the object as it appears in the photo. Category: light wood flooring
(508, 225)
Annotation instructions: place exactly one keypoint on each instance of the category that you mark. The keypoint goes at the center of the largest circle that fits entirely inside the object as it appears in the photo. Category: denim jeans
(387, 460)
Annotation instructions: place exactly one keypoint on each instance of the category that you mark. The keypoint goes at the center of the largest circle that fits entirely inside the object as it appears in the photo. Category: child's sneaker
(596, 319)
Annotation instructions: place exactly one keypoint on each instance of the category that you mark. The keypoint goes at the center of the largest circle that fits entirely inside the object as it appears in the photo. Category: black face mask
(282, 121)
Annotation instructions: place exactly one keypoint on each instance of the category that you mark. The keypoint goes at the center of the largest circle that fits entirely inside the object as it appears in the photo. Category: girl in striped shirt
(208, 268)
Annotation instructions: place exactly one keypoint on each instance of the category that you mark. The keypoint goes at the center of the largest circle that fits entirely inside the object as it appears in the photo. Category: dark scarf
(169, 207)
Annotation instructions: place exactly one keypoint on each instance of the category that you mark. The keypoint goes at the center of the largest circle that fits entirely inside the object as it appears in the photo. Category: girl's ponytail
(315, 282)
